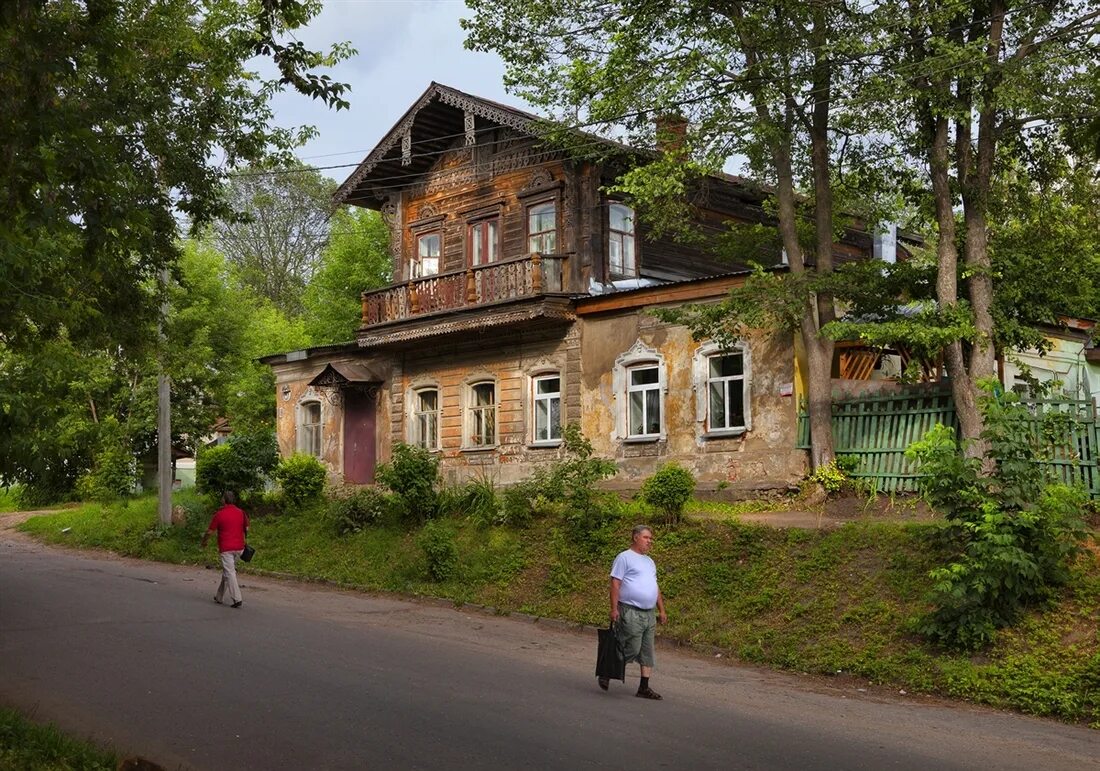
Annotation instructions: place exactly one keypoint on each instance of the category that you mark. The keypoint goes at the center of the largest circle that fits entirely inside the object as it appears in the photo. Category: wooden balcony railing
(528, 276)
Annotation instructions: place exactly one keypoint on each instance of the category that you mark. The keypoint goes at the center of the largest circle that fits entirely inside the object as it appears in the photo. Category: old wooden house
(521, 302)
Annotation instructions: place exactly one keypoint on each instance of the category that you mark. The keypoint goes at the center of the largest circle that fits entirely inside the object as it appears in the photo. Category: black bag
(247, 554)
(609, 658)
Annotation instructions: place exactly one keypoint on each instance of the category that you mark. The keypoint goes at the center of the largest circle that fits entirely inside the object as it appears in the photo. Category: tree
(762, 80)
(356, 259)
(974, 83)
(278, 230)
(117, 118)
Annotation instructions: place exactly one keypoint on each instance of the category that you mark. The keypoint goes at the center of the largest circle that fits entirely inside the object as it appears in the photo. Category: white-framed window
(542, 227)
(425, 418)
(723, 385)
(429, 247)
(546, 408)
(640, 383)
(481, 414)
(643, 393)
(483, 240)
(309, 428)
(621, 253)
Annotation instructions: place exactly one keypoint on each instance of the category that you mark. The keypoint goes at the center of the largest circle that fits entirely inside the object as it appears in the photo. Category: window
(309, 429)
(481, 415)
(722, 380)
(643, 401)
(546, 402)
(542, 228)
(428, 248)
(620, 246)
(483, 238)
(726, 391)
(425, 426)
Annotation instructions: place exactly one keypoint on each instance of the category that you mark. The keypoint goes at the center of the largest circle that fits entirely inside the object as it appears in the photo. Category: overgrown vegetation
(1015, 531)
(28, 745)
(302, 479)
(412, 475)
(669, 490)
(242, 464)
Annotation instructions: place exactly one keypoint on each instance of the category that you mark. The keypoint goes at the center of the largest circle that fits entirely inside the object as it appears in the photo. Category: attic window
(620, 243)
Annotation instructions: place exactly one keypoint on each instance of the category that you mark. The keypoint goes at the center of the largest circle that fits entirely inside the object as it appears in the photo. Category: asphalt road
(137, 655)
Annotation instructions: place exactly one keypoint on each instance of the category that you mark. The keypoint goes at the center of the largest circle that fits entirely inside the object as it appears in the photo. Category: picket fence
(878, 429)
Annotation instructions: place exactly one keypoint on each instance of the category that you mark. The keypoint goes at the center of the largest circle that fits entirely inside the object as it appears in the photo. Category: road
(137, 655)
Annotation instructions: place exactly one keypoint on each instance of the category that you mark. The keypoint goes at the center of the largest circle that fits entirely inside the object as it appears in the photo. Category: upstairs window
(622, 261)
(546, 403)
(309, 428)
(542, 228)
(481, 414)
(428, 250)
(425, 427)
(483, 238)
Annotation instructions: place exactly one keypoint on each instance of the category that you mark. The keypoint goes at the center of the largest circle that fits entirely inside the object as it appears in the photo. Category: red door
(359, 451)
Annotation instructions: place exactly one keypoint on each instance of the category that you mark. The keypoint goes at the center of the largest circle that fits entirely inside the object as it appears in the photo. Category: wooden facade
(522, 293)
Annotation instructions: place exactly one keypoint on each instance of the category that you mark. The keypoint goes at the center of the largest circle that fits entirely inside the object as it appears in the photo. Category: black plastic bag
(609, 658)
(247, 553)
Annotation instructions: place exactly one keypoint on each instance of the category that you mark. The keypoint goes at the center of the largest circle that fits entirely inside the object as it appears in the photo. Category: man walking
(231, 523)
(637, 606)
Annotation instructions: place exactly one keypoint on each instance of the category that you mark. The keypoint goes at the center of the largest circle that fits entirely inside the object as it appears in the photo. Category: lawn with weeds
(827, 602)
(28, 745)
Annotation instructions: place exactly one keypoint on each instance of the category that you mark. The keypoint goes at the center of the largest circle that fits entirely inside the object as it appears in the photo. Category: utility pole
(164, 417)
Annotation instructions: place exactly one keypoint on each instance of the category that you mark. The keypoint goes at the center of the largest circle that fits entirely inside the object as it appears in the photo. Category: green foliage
(830, 476)
(669, 490)
(356, 259)
(302, 478)
(113, 474)
(476, 500)
(28, 745)
(241, 464)
(353, 511)
(1017, 529)
(412, 475)
(437, 541)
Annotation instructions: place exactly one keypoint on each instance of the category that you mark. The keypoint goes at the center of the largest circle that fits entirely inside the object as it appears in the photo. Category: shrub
(364, 507)
(302, 478)
(241, 464)
(113, 474)
(1018, 530)
(412, 476)
(669, 490)
(477, 500)
(830, 476)
(437, 541)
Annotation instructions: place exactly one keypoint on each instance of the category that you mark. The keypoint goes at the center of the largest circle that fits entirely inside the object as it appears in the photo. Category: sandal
(648, 693)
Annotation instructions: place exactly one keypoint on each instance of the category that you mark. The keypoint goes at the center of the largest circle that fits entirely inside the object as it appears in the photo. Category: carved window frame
(414, 413)
(498, 243)
(309, 436)
(701, 381)
(470, 410)
(422, 228)
(622, 235)
(639, 356)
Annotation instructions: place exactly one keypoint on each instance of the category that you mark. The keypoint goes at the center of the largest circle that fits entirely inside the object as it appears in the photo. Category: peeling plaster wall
(762, 458)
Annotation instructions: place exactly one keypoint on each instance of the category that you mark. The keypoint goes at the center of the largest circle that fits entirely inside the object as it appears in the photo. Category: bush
(302, 478)
(669, 490)
(831, 477)
(113, 474)
(1018, 529)
(364, 507)
(241, 464)
(412, 476)
(477, 501)
(437, 541)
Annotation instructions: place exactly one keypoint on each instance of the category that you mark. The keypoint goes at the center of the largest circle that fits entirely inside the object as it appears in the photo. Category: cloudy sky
(403, 46)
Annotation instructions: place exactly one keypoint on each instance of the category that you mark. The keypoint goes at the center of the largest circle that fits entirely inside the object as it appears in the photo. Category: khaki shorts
(635, 632)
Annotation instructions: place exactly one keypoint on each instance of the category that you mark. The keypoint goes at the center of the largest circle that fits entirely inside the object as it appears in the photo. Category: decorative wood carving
(539, 178)
(406, 148)
(391, 215)
(469, 121)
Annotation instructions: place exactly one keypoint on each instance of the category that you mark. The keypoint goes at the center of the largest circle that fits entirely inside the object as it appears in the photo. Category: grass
(9, 499)
(810, 601)
(28, 745)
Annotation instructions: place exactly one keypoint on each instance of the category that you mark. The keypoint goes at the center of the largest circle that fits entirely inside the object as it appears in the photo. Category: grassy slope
(27, 745)
(804, 600)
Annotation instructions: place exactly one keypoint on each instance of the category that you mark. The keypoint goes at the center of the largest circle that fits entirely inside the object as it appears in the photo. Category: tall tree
(974, 81)
(116, 118)
(278, 230)
(759, 80)
(356, 258)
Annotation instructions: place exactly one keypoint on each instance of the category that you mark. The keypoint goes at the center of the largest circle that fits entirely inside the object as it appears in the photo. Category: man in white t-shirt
(637, 606)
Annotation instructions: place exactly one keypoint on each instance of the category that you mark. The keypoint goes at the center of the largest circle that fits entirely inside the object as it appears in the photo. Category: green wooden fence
(878, 429)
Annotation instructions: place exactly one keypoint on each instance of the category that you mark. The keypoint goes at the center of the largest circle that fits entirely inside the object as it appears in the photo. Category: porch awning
(339, 374)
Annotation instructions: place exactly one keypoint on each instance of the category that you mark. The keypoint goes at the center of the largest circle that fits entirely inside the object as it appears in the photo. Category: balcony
(518, 281)
(529, 276)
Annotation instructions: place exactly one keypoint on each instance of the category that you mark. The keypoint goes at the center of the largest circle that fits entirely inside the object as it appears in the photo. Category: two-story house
(520, 303)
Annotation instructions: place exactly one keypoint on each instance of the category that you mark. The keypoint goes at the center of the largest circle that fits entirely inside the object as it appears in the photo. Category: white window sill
(549, 444)
(728, 433)
(643, 439)
(481, 448)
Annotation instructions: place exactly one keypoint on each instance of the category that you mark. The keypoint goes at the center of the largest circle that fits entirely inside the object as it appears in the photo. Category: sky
(403, 45)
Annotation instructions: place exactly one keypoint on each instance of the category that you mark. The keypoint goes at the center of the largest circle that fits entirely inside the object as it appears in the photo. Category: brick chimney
(671, 130)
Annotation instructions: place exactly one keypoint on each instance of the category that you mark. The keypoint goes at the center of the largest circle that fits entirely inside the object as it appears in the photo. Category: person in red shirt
(231, 524)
